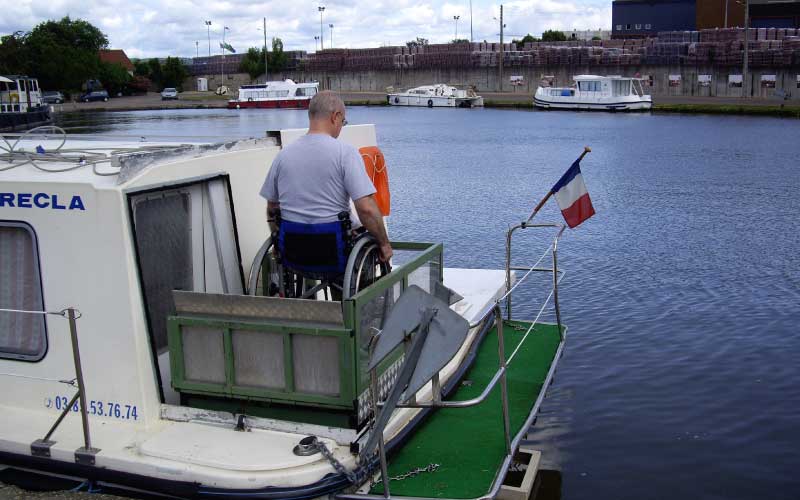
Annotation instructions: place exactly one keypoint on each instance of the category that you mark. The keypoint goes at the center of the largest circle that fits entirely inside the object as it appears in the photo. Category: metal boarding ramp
(418, 322)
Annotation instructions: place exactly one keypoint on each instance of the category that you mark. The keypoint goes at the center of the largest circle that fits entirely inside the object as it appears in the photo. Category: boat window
(22, 336)
(621, 87)
(589, 86)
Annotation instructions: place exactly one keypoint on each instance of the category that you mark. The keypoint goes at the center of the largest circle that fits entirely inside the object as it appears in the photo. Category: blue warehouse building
(641, 18)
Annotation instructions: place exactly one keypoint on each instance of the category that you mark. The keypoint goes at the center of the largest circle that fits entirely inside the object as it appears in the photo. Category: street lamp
(456, 18)
(321, 9)
(316, 39)
(208, 29)
(197, 48)
(331, 27)
(745, 80)
(224, 29)
(265, 48)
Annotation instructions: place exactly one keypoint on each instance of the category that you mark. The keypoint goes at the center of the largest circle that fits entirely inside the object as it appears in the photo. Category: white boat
(279, 94)
(591, 92)
(21, 105)
(436, 96)
(147, 344)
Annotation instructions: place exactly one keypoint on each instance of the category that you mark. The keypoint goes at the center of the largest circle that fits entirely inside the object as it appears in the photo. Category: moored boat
(591, 92)
(171, 352)
(278, 94)
(436, 96)
(21, 105)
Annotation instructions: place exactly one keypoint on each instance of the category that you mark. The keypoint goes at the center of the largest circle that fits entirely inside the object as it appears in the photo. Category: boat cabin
(278, 90)
(19, 94)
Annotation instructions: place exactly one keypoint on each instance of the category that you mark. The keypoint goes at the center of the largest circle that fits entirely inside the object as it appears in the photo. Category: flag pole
(586, 149)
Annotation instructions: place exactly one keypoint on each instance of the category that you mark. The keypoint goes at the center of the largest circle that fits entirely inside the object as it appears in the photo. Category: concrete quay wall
(487, 79)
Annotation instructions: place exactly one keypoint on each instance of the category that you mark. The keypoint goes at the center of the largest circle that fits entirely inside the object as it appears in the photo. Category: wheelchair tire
(363, 267)
(267, 277)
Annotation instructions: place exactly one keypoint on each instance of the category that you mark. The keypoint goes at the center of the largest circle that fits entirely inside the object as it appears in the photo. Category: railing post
(503, 381)
(373, 379)
(86, 454)
(555, 286)
(508, 273)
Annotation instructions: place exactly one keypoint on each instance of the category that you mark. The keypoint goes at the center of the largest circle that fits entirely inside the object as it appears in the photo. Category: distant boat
(591, 92)
(280, 94)
(439, 95)
(21, 105)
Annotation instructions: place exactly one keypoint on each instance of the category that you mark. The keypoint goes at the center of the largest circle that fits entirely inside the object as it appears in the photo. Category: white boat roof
(598, 77)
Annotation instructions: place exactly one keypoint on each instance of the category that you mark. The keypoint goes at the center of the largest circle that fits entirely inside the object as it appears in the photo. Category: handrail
(41, 447)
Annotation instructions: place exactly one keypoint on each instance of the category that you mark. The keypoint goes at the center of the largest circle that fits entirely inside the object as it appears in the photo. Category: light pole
(208, 29)
(316, 39)
(500, 66)
(470, 22)
(331, 27)
(456, 18)
(197, 48)
(745, 79)
(321, 9)
(265, 49)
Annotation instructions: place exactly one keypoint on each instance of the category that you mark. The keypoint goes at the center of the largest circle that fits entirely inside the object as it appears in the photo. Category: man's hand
(372, 219)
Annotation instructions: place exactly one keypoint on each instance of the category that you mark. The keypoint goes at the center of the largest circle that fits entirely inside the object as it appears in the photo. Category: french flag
(572, 197)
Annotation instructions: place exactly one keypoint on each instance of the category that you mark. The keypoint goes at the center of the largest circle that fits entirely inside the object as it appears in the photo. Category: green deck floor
(468, 443)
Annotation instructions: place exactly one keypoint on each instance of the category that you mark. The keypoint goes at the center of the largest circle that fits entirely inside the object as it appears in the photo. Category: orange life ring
(375, 164)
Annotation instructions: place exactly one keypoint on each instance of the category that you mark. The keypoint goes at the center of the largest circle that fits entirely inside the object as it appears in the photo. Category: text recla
(39, 200)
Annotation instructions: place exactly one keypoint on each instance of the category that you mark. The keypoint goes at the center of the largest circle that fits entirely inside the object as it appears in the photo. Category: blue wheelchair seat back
(317, 251)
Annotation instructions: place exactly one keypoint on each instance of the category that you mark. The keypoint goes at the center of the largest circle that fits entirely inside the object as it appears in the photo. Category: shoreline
(506, 100)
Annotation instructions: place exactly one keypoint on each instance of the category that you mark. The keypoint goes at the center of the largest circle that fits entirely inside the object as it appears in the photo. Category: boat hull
(11, 122)
(434, 101)
(271, 104)
(603, 105)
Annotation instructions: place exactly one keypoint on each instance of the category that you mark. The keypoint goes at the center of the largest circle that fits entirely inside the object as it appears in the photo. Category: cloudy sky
(158, 28)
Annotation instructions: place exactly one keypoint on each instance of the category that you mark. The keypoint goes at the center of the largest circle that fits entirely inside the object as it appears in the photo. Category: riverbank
(666, 104)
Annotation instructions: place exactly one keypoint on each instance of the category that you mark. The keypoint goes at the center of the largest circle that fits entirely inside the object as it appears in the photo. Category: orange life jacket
(375, 164)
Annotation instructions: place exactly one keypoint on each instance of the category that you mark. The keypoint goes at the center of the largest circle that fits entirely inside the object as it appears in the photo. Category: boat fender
(375, 164)
(249, 99)
(430, 103)
(396, 100)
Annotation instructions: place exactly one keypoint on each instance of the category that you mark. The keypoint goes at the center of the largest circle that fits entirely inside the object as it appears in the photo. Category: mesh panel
(425, 276)
(258, 359)
(203, 354)
(21, 335)
(164, 243)
(316, 364)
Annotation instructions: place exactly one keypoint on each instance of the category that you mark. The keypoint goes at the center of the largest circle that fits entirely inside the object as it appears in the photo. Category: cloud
(154, 28)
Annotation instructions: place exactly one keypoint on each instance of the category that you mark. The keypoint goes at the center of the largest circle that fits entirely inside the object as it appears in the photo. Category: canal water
(682, 295)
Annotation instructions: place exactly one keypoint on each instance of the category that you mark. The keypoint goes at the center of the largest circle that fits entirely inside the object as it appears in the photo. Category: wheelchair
(305, 261)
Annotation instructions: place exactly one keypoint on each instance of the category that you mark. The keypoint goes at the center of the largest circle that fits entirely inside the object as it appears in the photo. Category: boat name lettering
(109, 409)
(40, 200)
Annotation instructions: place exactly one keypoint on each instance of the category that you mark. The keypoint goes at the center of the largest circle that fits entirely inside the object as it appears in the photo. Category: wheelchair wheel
(363, 267)
(266, 273)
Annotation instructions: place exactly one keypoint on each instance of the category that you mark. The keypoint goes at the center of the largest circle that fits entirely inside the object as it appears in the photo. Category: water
(680, 378)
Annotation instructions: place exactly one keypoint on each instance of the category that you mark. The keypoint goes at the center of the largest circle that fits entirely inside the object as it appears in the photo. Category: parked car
(52, 97)
(95, 95)
(169, 93)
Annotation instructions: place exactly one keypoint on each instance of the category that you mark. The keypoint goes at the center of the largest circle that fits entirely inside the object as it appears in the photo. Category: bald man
(313, 179)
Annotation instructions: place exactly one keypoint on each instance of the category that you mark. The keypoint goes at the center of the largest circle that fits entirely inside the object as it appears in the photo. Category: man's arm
(273, 208)
(372, 219)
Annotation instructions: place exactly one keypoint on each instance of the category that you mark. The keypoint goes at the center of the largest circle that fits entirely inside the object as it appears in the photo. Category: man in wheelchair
(308, 191)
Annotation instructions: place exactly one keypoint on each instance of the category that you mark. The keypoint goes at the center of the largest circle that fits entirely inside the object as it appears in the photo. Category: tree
(63, 54)
(554, 36)
(418, 42)
(460, 40)
(277, 59)
(13, 59)
(114, 77)
(140, 68)
(173, 73)
(154, 71)
(253, 62)
(525, 39)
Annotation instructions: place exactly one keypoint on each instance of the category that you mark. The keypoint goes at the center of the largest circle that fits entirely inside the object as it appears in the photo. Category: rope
(526, 274)
(71, 382)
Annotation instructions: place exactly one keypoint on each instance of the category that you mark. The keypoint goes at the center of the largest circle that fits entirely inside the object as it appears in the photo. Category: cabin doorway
(185, 240)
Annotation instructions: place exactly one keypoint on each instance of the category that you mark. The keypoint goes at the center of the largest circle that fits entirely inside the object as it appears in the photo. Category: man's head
(326, 114)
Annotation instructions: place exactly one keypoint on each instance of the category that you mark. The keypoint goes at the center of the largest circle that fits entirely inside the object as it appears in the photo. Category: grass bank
(789, 111)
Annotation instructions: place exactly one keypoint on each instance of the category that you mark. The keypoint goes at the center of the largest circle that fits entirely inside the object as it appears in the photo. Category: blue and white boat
(592, 92)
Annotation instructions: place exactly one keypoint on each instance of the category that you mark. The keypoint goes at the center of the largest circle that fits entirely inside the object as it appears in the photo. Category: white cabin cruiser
(21, 105)
(279, 94)
(147, 339)
(436, 96)
(591, 92)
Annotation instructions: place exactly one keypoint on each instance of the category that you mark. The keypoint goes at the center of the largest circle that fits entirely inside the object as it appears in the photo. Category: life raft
(375, 164)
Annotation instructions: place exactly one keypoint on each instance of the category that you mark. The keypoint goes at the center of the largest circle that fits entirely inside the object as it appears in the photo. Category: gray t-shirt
(314, 179)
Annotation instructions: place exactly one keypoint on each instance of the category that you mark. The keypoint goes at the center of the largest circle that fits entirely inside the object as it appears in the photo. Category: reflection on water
(682, 294)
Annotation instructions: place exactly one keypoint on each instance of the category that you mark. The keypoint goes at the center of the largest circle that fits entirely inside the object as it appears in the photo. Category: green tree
(63, 54)
(154, 71)
(114, 77)
(277, 58)
(13, 58)
(554, 36)
(418, 42)
(525, 39)
(460, 40)
(140, 68)
(173, 73)
(253, 62)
